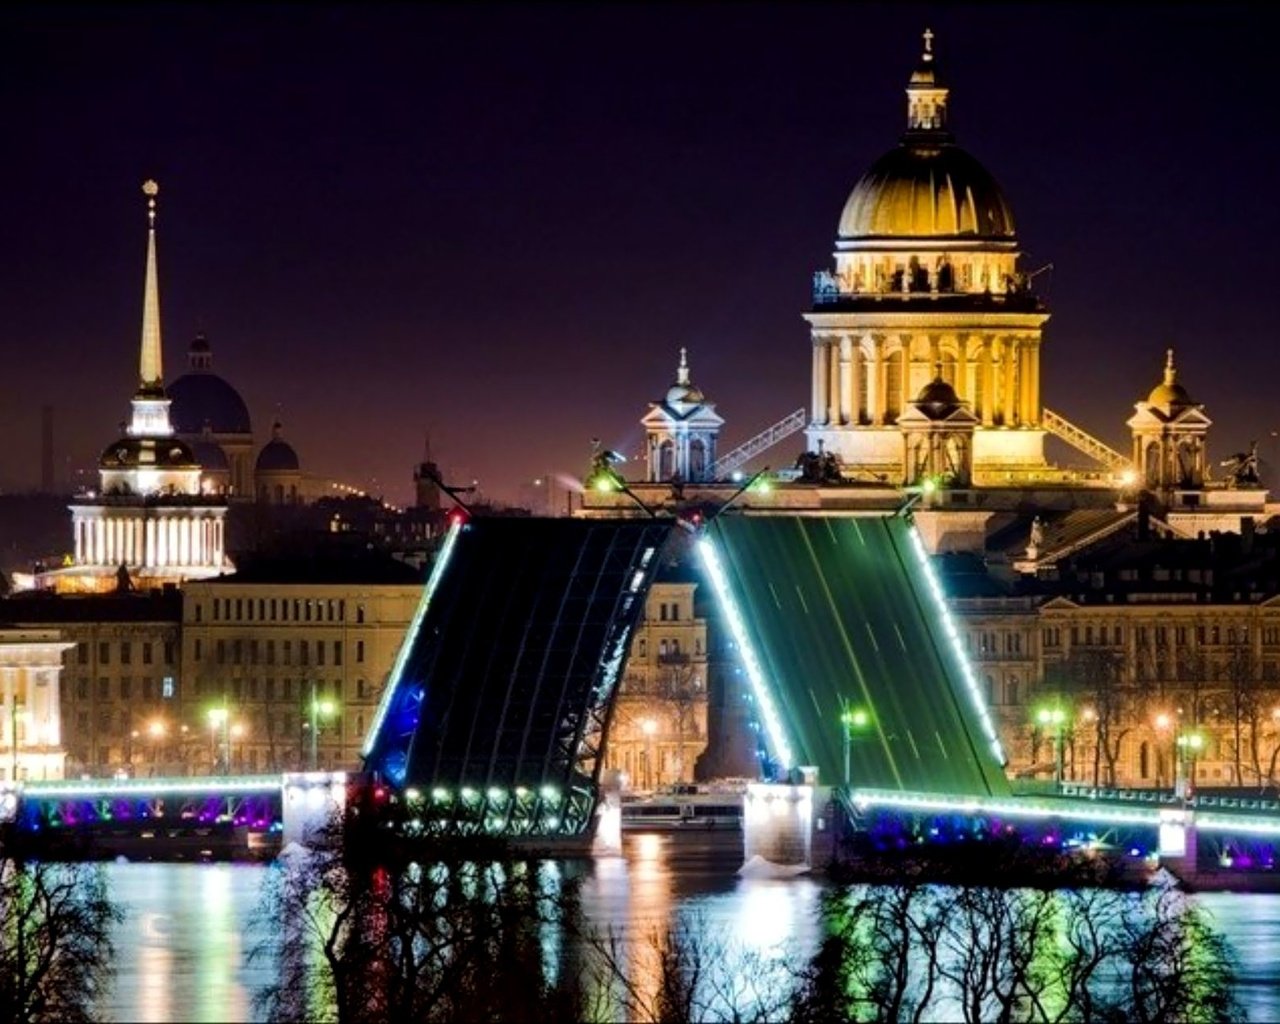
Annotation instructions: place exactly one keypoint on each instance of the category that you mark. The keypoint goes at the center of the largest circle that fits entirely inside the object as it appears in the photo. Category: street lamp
(1054, 718)
(1189, 745)
(1164, 723)
(648, 726)
(319, 707)
(220, 718)
(851, 719)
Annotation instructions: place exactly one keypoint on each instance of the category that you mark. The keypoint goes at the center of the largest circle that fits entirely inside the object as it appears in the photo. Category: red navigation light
(457, 517)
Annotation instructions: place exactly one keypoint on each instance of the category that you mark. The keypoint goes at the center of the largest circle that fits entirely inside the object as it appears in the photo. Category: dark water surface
(182, 950)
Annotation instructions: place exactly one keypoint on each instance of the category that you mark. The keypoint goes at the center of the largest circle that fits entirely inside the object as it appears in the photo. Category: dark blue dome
(277, 456)
(211, 457)
(200, 398)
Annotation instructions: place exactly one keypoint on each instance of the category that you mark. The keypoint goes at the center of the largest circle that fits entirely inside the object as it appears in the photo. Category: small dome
(277, 455)
(211, 457)
(1169, 394)
(926, 188)
(152, 452)
(201, 399)
(939, 393)
(684, 394)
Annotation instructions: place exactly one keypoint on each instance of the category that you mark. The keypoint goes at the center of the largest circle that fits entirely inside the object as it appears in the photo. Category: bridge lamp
(1189, 745)
(219, 718)
(851, 720)
(322, 707)
(1054, 718)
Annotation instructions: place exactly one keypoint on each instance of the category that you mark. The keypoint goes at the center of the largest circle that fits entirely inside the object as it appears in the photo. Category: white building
(31, 716)
(151, 516)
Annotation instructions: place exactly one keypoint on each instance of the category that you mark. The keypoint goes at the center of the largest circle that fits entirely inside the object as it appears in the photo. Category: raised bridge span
(498, 706)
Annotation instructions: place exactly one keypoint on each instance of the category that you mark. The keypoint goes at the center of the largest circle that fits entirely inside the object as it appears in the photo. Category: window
(216, 616)
(1011, 690)
(82, 653)
(146, 653)
(337, 652)
(262, 607)
(220, 652)
(342, 610)
(271, 688)
(362, 689)
(239, 609)
(288, 652)
(360, 651)
(104, 653)
(199, 612)
(271, 652)
(126, 687)
(82, 688)
(319, 652)
(104, 688)
(253, 652)
(148, 688)
(237, 651)
(359, 613)
(675, 612)
(168, 652)
(662, 611)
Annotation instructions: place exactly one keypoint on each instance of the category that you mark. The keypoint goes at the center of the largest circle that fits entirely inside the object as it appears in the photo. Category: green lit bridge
(497, 710)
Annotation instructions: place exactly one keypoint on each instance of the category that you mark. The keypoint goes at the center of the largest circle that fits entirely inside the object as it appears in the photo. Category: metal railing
(767, 438)
(1082, 440)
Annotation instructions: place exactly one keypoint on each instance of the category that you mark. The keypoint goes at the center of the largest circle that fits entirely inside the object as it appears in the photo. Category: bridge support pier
(311, 799)
(1178, 847)
(778, 824)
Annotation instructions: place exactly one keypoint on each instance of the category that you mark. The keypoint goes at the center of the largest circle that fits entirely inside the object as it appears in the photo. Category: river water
(182, 949)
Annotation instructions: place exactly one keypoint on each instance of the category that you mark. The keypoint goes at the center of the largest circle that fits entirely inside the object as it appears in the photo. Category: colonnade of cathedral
(158, 541)
(866, 378)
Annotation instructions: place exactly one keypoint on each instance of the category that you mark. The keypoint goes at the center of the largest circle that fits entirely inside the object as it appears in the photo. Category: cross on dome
(682, 373)
(928, 44)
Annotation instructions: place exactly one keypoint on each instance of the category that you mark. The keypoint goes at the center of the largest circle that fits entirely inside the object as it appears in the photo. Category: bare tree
(1093, 679)
(55, 944)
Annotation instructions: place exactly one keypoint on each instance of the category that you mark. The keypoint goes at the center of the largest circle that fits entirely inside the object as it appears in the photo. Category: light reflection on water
(183, 947)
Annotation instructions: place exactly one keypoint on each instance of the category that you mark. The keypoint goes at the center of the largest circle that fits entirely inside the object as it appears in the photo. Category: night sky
(500, 224)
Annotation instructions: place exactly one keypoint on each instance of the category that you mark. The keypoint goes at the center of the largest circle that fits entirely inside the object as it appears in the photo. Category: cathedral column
(162, 541)
(835, 393)
(1033, 352)
(962, 385)
(149, 542)
(905, 395)
(987, 369)
(848, 413)
(935, 354)
(879, 383)
(1008, 397)
(817, 404)
(855, 380)
(140, 542)
(1024, 381)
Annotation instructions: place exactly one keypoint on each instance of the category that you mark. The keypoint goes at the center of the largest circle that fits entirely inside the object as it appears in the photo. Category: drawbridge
(497, 710)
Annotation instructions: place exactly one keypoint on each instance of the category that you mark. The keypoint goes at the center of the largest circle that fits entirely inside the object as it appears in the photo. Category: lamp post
(1164, 723)
(1054, 718)
(156, 730)
(220, 718)
(648, 727)
(851, 718)
(319, 706)
(1188, 746)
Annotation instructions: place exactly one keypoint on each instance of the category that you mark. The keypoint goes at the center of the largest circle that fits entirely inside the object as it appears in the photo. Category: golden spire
(1170, 374)
(150, 369)
(682, 371)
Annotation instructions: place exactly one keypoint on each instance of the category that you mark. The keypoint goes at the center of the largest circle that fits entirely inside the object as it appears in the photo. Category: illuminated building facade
(262, 643)
(682, 430)
(659, 724)
(31, 715)
(926, 283)
(119, 698)
(150, 518)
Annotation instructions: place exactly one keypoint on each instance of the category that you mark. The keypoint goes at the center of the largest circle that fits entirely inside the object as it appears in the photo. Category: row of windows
(264, 652)
(271, 609)
(146, 650)
(271, 689)
(667, 647)
(990, 643)
(668, 612)
(147, 688)
(1051, 636)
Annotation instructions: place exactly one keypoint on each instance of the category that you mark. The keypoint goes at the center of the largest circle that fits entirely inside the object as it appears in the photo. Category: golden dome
(926, 188)
(1169, 394)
